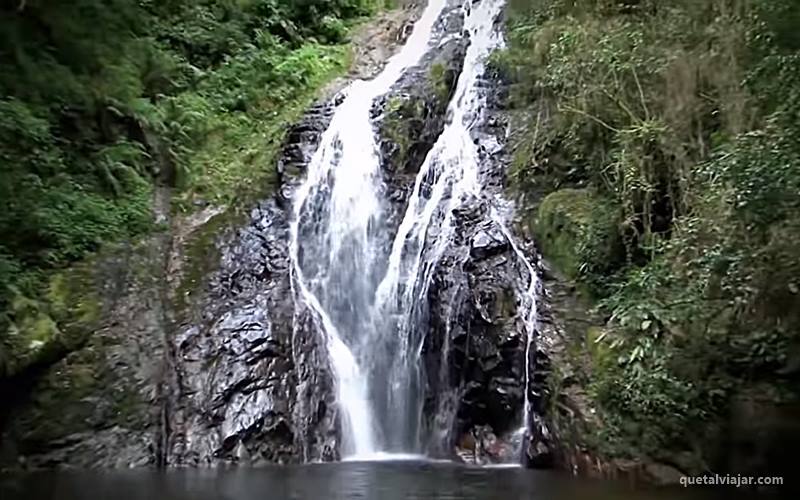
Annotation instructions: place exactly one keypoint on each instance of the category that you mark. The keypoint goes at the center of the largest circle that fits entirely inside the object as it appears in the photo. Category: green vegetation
(102, 101)
(411, 119)
(672, 129)
(578, 231)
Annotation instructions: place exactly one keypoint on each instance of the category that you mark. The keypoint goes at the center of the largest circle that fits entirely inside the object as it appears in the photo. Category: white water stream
(363, 293)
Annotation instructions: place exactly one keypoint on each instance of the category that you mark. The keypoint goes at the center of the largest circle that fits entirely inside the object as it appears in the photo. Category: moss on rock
(41, 330)
(414, 116)
(578, 231)
(199, 255)
(400, 115)
(95, 368)
(443, 82)
(84, 392)
(74, 301)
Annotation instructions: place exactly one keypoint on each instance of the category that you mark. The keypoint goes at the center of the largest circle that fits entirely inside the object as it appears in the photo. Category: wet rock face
(475, 349)
(487, 243)
(302, 139)
(410, 118)
(413, 115)
(475, 346)
(253, 383)
(232, 355)
(314, 411)
(537, 444)
(300, 144)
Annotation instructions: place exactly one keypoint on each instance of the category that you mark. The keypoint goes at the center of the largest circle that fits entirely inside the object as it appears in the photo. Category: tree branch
(591, 117)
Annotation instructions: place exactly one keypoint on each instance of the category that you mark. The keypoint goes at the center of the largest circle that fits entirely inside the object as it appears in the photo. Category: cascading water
(367, 300)
(449, 175)
(335, 235)
(528, 304)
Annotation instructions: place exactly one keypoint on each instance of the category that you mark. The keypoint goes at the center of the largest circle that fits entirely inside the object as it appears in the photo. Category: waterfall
(449, 175)
(530, 306)
(335, 232)
(363, 284)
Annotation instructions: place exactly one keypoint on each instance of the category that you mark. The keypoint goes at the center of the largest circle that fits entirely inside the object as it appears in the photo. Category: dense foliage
(102, 100)
(679, 122)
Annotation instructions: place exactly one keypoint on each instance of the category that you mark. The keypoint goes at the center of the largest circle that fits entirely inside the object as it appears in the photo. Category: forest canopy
(658, 144)
(102, 100)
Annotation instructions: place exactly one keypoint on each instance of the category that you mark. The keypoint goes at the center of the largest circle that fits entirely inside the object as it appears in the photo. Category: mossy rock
(415, 117)
(404, 117)
(200, 256)
(81, 393)
(578, 230)
(42, 329)
(70, 379)
(506, 304)
(443, 80)
(410, 127)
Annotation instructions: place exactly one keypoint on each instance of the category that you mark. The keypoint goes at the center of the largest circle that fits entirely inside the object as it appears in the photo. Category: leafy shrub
(684, 118)
(653, 407)
(580, 231)
(101, 100)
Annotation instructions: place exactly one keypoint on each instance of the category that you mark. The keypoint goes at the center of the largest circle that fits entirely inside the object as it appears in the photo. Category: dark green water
(369, 480)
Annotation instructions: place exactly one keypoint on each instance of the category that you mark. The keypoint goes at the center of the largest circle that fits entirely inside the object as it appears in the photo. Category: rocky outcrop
(474, 354)
(476, 343)
(301, 142)
(231, 357)
(100, 405)
(204, 356)
(413, 115)
(253, 384)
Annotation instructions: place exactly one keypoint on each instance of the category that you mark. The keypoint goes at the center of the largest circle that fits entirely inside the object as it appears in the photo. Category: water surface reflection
(353, 480)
